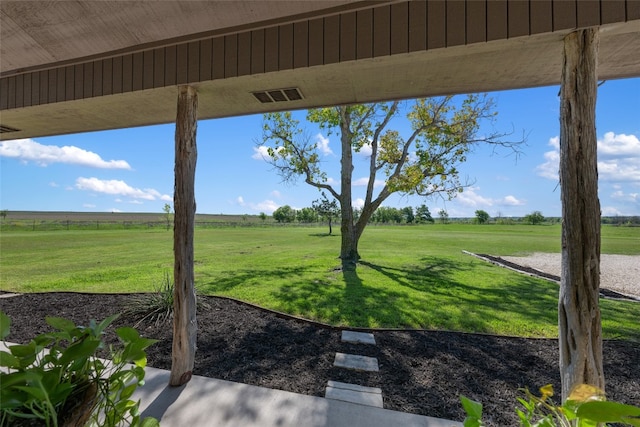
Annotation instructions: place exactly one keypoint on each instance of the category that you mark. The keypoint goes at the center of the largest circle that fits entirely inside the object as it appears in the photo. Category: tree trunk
(349, 246)
(580, 331)
(184, 205)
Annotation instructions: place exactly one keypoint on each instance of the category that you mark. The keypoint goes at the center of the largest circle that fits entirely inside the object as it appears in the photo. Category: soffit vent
(7, 129)
(278, 95)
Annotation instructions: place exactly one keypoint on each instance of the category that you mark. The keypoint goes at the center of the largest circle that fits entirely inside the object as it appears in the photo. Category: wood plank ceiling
(350, 52)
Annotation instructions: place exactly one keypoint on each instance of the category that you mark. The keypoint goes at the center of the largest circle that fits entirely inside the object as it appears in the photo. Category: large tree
(424, 162)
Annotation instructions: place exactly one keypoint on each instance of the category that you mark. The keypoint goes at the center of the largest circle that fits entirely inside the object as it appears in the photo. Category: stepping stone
(358, 363)
(369, 396)
(358, 337)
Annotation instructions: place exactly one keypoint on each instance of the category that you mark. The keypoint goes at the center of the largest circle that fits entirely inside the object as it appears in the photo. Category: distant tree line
(323, 210)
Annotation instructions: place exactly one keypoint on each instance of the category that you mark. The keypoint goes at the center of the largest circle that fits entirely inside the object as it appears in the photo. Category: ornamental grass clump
(156, 306)
(57, 380)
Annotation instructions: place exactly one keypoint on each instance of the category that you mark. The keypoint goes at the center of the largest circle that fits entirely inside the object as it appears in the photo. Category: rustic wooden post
(184, 206)
(579, 323)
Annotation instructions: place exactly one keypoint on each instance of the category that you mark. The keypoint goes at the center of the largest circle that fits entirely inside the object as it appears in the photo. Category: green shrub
(156, 306)
(585, 407)
(56, 379)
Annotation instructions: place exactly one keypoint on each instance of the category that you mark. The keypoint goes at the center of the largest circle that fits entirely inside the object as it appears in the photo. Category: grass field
(410, 276)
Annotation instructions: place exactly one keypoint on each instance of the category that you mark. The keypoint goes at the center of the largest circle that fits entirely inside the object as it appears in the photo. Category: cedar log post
(184, 206)
(580, 330)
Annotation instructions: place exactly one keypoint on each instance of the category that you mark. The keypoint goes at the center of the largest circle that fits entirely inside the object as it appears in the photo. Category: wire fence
(56, 225)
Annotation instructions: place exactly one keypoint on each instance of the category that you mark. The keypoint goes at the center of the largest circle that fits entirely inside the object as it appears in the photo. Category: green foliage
(586, 406)
(415, 277)
(423, 215)
(284, 214)
(424, 161)
(167, 214)
(482, 217)
(307, 215)
(326, 209)
(407, 214)
(263, 216)
(444, 216)
(156, 306)
(386, 215)
(56, 378)
(534, 218)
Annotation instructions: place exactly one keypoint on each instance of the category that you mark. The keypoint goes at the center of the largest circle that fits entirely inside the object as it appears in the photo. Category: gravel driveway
(620, 273)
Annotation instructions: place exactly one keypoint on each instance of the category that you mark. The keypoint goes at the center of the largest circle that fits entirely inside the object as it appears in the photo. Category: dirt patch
(421, 372)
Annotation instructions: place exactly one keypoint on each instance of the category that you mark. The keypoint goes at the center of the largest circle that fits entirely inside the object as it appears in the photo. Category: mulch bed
(421, 372)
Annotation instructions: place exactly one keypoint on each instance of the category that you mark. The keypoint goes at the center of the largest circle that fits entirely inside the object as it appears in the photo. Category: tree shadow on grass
(224, 282)
(435, 293)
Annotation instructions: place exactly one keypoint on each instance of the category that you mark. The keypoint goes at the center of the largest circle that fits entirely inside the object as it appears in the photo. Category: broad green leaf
(471, 407)
(471, 422)
(8, 360)
(23, 350)
(127, 392)
(36, 391)
(60, 323)
(105, 323)
(127, 334)
(150, 422)
(5, 325)
(79, 350)
(19, 378)
(603, 411)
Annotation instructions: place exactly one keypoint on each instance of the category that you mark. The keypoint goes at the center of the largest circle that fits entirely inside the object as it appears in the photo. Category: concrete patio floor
(212, 402)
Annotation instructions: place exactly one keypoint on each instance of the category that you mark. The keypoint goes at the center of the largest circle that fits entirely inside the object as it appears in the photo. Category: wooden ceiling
(78, 66)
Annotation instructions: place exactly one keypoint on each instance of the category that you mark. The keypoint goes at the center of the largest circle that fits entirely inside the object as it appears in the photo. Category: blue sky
(131, 170)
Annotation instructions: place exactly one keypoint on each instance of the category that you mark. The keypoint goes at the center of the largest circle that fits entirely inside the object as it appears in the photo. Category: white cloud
(470, 197)
(610, 211)
(88, 205)
(549, 169)
(276, 194)
(119, 188)
(267, 206)
(627, 197)
(136, 202)
(114, 210)
(323, 145)
(331, 181)
(618, 159)
(53, 184)
(511, 201)
(619, 145)
(30, 150)
(365, 150)
(362, 182)
(260, 153)
(358, 203)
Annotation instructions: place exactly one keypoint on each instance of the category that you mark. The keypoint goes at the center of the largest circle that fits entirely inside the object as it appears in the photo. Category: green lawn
(409, 276)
